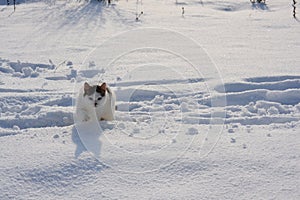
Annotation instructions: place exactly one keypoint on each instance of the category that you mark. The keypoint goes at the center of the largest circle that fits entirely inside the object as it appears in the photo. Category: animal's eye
(90, 98)
(99, 98)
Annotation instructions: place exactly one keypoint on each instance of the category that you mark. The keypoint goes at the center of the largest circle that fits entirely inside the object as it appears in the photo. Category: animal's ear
(86, 87)
(103, 87)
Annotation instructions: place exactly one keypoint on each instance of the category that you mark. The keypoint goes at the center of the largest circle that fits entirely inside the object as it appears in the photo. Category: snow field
(174, 136)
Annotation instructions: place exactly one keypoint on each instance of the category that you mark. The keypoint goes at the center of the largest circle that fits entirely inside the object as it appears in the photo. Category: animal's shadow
(86, 137)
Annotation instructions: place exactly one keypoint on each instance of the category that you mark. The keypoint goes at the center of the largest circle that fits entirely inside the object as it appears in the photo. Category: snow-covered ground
(208, 100)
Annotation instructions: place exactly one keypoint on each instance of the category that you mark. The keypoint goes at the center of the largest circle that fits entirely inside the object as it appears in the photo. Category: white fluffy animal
(95, 102)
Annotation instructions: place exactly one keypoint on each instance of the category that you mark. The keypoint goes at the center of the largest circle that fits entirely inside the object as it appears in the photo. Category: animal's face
(95, 95)
(95, 99)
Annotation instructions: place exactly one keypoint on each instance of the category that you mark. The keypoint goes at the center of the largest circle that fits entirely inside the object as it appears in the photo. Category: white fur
(85, 110)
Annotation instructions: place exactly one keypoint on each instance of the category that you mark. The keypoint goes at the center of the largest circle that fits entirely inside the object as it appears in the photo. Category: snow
(208, 102)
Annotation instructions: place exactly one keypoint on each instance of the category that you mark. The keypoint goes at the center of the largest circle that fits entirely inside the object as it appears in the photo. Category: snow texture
(175, 136)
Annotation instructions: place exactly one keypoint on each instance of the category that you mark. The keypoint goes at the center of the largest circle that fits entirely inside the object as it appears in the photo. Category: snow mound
(21, 69)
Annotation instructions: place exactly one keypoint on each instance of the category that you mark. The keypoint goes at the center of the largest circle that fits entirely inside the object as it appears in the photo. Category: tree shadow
(91, 12)
(83, 17)
(94, 13)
